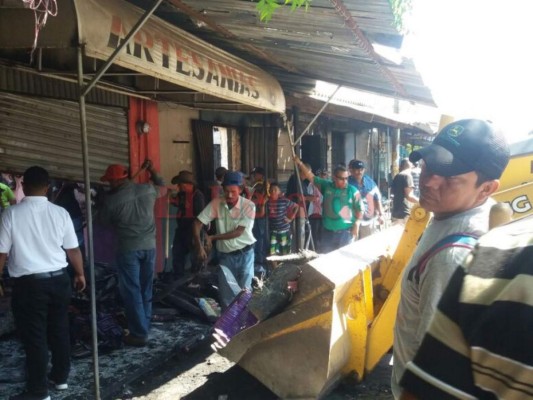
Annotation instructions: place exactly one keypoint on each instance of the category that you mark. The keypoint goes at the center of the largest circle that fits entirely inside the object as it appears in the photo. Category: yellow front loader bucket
(324, 333)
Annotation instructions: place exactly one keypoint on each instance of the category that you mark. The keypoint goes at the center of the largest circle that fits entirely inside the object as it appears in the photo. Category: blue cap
(232, 178)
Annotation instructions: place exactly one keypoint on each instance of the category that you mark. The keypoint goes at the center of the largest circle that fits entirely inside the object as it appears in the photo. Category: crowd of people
(237, 224)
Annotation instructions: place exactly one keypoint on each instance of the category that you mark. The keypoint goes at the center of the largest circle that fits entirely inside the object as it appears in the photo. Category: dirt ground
(204, 375)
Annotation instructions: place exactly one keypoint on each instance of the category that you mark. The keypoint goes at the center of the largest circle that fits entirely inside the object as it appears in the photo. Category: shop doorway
(221, 146)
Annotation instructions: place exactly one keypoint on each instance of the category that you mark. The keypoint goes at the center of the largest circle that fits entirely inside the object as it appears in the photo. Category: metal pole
(89, 220)
(317, 115)
(301, 192)
(266, 240)
(84, 90)
(115, 53)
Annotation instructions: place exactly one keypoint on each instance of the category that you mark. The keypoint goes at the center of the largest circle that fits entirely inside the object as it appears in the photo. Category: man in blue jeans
(129, 208)
(234, 219)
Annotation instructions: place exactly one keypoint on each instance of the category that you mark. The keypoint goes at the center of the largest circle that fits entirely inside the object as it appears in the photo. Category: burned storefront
(135, 87)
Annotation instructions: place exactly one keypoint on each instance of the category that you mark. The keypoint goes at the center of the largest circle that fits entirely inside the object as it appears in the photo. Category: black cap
(465, 146)
(356, 164)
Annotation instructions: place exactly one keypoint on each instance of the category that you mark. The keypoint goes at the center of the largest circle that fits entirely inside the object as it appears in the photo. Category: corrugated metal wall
(23, 82)
(46, 132)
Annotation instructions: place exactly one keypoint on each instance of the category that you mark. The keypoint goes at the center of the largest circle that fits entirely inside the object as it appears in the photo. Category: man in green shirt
(342, 207)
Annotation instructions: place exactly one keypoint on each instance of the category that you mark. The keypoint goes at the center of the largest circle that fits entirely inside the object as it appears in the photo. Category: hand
(381, 220)
(296, 159)
(201, 254)
(147, 164)
(79, 282)
(355, 233)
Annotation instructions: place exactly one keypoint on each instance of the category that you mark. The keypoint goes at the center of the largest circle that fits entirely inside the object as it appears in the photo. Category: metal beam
(317, 115)
(117, 51)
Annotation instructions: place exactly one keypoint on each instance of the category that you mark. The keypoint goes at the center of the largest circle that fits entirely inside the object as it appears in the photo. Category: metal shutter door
(46, 132)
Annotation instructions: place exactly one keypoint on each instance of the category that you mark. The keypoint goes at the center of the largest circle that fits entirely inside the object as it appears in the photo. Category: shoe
(59, 386)
(135, 341)
(30, 396)
(56, 385)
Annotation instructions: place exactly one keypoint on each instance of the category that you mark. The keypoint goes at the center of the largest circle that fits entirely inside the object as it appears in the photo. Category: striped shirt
(480, 342)
(278, 210)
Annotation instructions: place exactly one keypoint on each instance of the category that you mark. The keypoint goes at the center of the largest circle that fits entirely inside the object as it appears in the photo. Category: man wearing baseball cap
(234, 219)
(370, 195)
(342, 207)
(129, 209)
(459, 172)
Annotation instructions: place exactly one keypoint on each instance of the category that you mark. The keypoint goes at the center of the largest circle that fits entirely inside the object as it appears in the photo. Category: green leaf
(266, 8)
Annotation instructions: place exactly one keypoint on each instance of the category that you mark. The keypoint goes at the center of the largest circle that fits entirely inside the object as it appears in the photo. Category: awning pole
(290, 130)
(89, 221)
(316, 116)
(115, 54)
(84, 90)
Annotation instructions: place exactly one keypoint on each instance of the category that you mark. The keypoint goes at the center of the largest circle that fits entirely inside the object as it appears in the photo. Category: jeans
(135, 276)
(333, 240)
(241, 264)
(40, 309)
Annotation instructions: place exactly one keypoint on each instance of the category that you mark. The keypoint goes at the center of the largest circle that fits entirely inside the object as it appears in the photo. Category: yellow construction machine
(340, 322)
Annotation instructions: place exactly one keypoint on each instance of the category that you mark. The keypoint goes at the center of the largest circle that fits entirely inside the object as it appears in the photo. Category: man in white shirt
(36, 234)
(234, 219)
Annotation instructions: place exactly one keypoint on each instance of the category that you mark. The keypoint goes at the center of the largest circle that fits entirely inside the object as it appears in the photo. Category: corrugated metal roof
(331, 41)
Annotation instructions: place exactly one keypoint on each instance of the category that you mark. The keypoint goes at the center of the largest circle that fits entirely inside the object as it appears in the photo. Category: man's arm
(75, 258)
(377, 202)
(154, 176)
(197, 239)
(409, 194)
(292, 211)
(228, 235)
(358, 213)
(408, 191)
(305, 172)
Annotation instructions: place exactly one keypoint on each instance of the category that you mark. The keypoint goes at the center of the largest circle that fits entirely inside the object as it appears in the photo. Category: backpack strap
(459, 239)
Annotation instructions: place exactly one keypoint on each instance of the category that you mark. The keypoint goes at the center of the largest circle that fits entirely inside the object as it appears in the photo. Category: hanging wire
(41, 10)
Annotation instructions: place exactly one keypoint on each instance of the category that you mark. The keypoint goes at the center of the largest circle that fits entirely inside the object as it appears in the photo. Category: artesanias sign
(166, 52)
